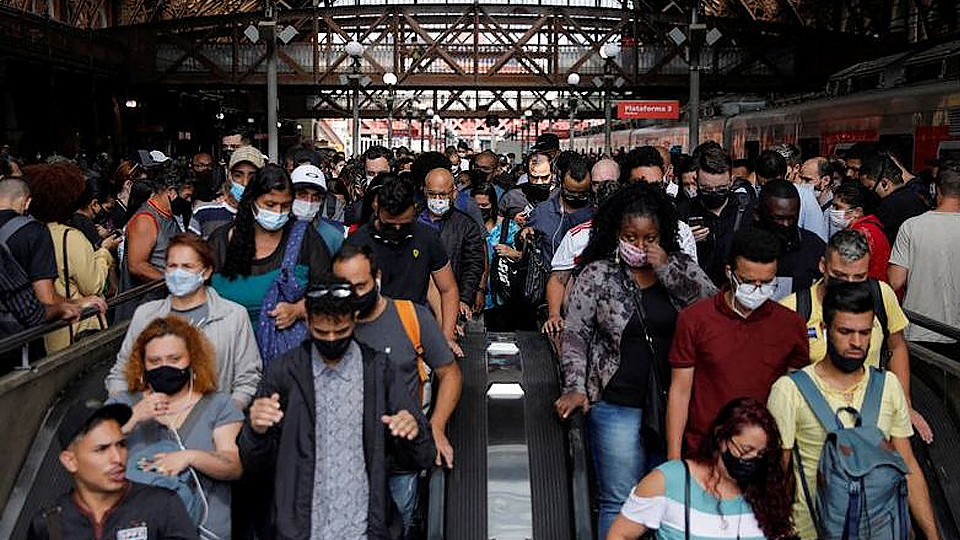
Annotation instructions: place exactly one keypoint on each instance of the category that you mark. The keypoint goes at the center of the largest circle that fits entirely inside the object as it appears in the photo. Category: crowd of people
(721, 323)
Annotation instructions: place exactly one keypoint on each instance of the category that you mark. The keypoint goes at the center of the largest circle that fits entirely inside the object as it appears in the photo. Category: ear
(69, 461)
(822, 265)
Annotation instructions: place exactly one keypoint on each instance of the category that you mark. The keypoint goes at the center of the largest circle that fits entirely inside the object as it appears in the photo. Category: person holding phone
(633, 281)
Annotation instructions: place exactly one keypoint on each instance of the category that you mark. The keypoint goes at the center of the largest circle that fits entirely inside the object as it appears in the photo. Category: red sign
(634, 110)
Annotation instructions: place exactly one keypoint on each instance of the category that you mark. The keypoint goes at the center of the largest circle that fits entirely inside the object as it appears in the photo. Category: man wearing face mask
(459, 234)
(360, 414)
(842, 380)
(310, 195)
(716, 213)
(565, 208)
(847, 212)
(148, 233)
(734, 344)
(779, 212)
(189, 265)
(379, 325)
(244, 164)
(884, 179)
(410, 254)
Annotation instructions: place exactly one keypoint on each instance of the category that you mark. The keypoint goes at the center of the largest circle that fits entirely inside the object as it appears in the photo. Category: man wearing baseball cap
(103, 503)
(310, 192)
(244, 164)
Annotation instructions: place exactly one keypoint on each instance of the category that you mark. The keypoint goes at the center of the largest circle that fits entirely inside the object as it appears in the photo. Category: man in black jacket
(331, 418)
(460, 235)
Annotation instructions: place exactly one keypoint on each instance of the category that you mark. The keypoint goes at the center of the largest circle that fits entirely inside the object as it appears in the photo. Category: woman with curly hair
(621, 316)
(737, 485)
(182, 434)
(82, 271)
(249, 253)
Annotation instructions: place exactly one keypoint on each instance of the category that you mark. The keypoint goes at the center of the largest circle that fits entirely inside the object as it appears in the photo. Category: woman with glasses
(183, 433)
(633, 280)
(264, 251)
(734, 486)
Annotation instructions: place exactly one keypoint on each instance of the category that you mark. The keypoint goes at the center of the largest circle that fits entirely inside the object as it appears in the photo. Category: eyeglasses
(750, 287)
(336, 291)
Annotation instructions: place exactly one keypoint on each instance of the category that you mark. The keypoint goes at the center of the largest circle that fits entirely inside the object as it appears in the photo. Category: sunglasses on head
(337, 291)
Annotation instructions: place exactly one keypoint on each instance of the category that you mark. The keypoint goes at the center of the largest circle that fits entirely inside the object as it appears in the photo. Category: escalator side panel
(466, 497)
(550, 485)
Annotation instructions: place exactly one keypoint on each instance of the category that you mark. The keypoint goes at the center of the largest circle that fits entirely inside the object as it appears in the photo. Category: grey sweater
(228, 328)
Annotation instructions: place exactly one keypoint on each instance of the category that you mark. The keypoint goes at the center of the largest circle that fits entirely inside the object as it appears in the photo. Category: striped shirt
(209, 217)
(710, 518)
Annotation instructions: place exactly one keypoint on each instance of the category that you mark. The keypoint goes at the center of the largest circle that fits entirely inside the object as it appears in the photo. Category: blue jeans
(403, 489)
(618, 457)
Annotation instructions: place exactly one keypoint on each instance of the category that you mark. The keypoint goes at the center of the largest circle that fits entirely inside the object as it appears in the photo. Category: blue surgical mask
(236, 190)
(181, 282)
(270, 220)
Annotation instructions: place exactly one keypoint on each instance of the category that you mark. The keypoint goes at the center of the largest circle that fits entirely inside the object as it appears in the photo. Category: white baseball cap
(308, 175)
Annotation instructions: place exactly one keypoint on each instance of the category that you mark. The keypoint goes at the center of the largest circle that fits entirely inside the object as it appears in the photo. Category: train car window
(809, 147)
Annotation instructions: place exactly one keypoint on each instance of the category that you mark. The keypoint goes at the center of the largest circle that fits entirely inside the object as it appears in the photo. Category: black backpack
(16, 281)
(805, 307)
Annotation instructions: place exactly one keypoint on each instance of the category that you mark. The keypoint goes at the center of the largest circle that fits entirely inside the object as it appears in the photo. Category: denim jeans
(618, 457)
(403, 489)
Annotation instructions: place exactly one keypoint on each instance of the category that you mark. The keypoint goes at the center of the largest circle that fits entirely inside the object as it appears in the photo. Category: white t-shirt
(928, 247)
(576, 239)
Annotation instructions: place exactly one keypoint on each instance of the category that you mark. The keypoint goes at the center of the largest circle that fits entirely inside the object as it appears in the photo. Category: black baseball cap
(547, 142)
(81, 416)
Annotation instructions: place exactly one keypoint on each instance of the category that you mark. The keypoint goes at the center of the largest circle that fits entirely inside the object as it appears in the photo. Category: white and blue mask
(181, 282)
(270, 220)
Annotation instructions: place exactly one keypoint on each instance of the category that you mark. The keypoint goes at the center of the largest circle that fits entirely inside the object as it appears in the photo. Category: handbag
(504, 271)
(534, 271)
(272, 341)
(653, 415)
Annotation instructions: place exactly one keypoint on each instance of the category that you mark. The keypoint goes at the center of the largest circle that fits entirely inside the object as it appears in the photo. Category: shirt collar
(342, 369)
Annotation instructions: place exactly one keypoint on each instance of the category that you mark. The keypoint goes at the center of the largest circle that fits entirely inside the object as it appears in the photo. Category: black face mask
(181, 207)
(332, 350)
(578, 200)
(393, 236)
(711, 200)
(366, 302)
(790, 235)
(167, 379)
(535, 193)
(844, 364)
(744, 471)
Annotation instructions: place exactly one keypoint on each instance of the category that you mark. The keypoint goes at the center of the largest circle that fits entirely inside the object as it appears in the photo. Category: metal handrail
(21, 340)
(934, 325)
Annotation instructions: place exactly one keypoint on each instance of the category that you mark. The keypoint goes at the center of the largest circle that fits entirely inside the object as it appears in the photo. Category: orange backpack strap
(411, 325)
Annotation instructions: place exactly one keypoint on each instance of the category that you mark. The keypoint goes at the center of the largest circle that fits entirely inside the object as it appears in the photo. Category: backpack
(805, 308)
(16, 281)
(861, 479)
(272, 342)
(411, 325)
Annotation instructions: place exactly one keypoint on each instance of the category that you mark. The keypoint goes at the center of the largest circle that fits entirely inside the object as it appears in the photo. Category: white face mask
(438, 207)
(838, 218)
(672, 189)
(690, 191)
(756, 295)
(305, 210)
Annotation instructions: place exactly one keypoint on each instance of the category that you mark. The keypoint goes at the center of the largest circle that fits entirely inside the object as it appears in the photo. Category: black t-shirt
(802, 265)
(407, 268)
(144, 512)
(85, 225)
(32, 247)
(896, 208)
(313, 252)
(713, 251)
(628, 387)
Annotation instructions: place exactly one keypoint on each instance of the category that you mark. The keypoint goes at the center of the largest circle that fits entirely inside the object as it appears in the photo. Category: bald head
(439, 180)
(605, 170)
(13, 194)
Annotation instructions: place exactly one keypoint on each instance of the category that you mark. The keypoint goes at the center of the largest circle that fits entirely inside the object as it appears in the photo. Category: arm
(449, 300)
(141, 238)
(897, 276)
(900, 361)
(920, 507)
(684, 279)
(46, 293)
(473, 264)
(90, 268)
(257, 450)
(450, 381)
(418, 452)
(223, 463)
(249, 368)
(556, 286)
(116, 381)
(678, 407)
(576, 337)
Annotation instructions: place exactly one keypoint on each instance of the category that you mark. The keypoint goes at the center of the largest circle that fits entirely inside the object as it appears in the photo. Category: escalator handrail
(934, 325)
(436, 505)
(18, 340)
(579, 476)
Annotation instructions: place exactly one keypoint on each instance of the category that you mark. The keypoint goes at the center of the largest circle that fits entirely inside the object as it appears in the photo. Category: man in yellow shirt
(847, 259)
(840, 376)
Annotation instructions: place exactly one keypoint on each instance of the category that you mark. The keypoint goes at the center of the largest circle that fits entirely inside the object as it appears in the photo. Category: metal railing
(933, 325)
(22, 340)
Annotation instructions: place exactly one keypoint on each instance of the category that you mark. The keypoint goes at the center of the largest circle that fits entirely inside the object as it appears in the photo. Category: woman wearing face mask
(182, 432)
(249, 253)
(190, 263)
(737, 485)
(501, 246)
(620, 320)
(847, 212)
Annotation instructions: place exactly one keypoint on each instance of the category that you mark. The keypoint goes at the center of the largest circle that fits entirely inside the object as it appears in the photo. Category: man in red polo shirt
(735, 344)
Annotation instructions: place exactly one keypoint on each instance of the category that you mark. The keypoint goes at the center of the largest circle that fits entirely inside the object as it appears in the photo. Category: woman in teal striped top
(737, 486)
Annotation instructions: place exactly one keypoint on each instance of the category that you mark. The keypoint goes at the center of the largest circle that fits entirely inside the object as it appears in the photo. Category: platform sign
(648, 109)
